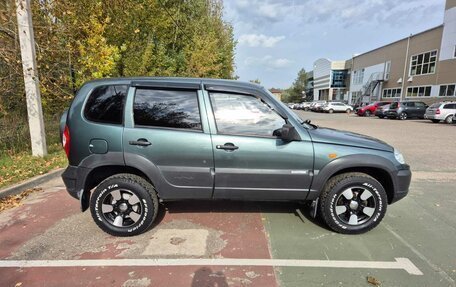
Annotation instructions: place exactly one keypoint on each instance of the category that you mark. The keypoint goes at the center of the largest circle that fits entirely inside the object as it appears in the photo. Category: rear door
(251, 163)
(420, 109)
(166, 136)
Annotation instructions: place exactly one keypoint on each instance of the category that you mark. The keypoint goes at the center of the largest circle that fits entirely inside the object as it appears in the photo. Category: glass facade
(339, 78)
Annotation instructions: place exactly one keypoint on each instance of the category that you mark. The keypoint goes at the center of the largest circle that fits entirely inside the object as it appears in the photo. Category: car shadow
(301, 210)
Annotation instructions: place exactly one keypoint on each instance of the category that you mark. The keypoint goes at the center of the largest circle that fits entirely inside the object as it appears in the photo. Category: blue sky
(276, 38)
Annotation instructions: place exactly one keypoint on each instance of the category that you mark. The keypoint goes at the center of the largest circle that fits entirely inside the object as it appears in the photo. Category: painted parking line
(400, 263)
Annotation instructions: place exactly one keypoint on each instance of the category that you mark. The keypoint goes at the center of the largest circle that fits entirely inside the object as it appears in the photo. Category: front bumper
(403, 179)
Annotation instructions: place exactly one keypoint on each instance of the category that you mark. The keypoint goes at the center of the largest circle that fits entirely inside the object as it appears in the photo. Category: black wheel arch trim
(399, 175)
(76, 177)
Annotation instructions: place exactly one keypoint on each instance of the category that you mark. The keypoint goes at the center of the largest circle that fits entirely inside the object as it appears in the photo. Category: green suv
(132, 142)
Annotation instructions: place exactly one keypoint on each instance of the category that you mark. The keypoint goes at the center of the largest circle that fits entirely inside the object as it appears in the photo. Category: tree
(256, 81)
(297, 90)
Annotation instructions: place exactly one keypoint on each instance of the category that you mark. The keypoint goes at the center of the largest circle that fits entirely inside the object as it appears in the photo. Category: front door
(251, 163)
(167, 137)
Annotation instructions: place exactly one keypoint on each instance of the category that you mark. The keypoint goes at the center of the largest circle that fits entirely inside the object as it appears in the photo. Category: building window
(392, 93)
(447, 90)
(423, 64)
(338, 78)
(423, 91)
(454, 54)
(387, 70)
(358, 77)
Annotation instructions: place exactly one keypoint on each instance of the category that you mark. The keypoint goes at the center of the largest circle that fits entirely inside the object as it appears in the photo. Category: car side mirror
(287, 133)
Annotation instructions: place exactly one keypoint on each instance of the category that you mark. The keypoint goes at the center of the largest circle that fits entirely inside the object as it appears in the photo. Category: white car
(443, 111)
(337, 107)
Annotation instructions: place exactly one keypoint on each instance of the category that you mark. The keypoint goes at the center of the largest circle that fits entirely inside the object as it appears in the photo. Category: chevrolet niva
(132, 142)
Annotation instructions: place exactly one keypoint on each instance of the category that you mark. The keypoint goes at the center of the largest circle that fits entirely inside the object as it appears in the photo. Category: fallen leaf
(373, 281)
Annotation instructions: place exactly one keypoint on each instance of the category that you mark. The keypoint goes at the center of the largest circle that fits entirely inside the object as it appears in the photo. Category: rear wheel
(348, 111)
(367, 113)
(449, 119)
(403, 116)
(124, 205)
(353, 203)
(381, 117)
(330, 111)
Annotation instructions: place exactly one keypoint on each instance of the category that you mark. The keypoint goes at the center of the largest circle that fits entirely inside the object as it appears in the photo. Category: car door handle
(227, 146)
(140, 142)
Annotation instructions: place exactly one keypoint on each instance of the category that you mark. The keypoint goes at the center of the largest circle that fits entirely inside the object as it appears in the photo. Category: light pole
(31, 82)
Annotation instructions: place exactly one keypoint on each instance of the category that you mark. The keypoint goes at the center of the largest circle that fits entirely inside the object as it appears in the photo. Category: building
(309, 91)
(277, 93)
(331, 80)
(421, 66)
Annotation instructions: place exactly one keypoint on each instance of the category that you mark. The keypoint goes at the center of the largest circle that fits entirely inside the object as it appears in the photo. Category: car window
(394, 105)
(410, 105)
(244, 115)
(167, 108)
(449, 106)
(436, 105)
(105, 104)
(420, 104)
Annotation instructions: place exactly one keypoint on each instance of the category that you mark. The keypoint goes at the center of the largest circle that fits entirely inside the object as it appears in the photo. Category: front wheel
(403, 116)
(367, 113)
(330, 111)
(353, 203)
(449, 119)
(124, 205)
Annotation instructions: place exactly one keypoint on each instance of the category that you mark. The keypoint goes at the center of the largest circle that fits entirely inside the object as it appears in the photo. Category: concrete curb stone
(29, 183)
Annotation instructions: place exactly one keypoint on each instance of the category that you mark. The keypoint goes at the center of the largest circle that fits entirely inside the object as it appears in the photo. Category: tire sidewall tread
(136, 184)
(339, 183)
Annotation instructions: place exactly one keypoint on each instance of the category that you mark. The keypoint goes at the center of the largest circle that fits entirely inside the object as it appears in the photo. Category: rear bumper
(74, 178)
(433, 117)
(403, 179)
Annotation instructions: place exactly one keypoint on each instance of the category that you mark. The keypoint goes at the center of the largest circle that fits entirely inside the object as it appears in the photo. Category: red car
(369, 110)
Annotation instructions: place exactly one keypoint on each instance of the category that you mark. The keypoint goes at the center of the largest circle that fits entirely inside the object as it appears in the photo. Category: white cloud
(347, 12)
(268, 62)
(259, 40)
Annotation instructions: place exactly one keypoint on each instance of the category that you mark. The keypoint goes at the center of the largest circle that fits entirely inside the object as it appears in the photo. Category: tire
(381, 117)
(347, 216)
(330, 111)
(449, 119)
(348, 111)
(403, 116)
(124, 205)
(367, 113)
(435, 121)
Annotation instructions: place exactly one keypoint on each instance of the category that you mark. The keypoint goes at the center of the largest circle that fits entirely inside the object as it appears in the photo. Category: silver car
(443, 111)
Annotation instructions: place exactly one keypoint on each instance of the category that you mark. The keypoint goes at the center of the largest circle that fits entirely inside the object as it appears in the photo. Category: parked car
(406, 109)
(382, 111)
(132, 142)
(443, 111)
(333, 107)
(317, 106)
(369, 110)
(305, 106)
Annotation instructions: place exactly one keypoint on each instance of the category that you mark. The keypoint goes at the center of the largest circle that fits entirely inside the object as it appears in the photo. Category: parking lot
(48, 242)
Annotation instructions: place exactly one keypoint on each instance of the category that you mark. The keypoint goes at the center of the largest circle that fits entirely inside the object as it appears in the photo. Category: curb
(29, 183)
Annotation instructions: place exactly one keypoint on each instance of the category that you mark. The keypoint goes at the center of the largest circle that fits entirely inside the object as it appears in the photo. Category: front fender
(348, 162)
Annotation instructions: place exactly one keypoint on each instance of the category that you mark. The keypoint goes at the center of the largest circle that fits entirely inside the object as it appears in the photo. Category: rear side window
(167, 108)
(436, 105)
(450, 106)
(420, 104)
(105, 104)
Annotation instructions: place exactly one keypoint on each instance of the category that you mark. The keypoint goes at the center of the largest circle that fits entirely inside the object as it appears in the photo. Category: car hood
(332, 136)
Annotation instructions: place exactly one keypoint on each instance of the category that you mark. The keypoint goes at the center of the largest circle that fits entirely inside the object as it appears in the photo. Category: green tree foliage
(295, 93)
(80, 40)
